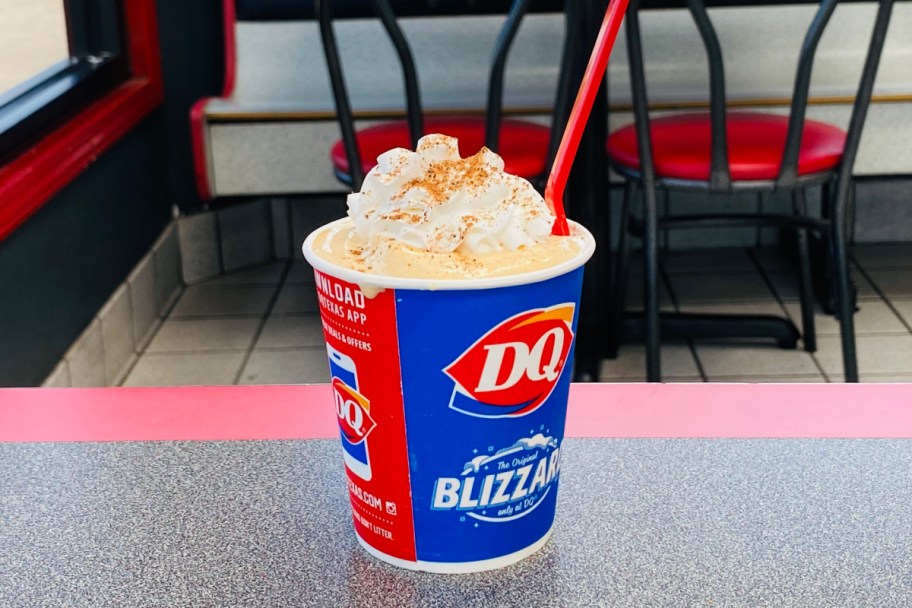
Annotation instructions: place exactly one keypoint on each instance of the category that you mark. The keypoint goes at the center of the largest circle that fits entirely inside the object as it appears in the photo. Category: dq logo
(512, 369)
(354, 412)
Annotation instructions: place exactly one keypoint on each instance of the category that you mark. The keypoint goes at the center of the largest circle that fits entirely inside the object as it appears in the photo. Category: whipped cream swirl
(433, 200)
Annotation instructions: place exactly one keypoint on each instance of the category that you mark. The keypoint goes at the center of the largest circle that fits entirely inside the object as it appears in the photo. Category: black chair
(724, 152)
(526, 147)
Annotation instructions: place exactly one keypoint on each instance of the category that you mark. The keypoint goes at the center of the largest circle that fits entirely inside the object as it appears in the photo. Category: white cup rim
(374, 281)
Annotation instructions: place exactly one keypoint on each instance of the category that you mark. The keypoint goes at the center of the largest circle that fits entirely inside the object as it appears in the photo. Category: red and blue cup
(451, 397)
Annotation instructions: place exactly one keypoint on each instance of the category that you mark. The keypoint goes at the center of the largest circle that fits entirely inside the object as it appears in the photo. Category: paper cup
(451, 398)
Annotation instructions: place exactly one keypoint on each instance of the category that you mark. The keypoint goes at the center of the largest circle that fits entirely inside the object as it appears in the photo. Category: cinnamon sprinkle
(402, 216)
(445, 177)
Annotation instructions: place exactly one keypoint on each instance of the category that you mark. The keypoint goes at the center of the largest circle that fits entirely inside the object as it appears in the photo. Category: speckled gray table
(642, 522)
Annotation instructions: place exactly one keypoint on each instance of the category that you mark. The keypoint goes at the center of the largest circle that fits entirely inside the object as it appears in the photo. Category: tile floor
(261, 326)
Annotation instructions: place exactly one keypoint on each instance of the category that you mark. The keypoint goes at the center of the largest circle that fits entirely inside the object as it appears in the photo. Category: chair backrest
(384, 11)
(720, 176)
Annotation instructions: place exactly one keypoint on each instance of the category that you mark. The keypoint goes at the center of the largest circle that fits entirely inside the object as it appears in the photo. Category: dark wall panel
(192, 53)
(61, 266)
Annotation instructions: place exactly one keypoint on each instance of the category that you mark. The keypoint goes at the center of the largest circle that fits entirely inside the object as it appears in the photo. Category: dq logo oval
(354, 412)
(512, 369)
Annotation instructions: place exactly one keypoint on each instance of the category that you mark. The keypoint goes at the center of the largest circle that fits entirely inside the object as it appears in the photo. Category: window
(33, 38)
(75, 76)
(73, 49)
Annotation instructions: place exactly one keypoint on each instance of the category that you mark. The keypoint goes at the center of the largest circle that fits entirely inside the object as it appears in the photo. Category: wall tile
(199, 247)
(265, 274)
(245, 231)
(59, 378)
(86, 358)
(168, 283)
(300, 272)
(883, 211)
(309, 213)
(891, 255)
(116, 319)
(281, 225)
(141, 284)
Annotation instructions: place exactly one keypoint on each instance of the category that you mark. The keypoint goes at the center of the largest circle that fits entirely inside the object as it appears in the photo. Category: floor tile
(677, 361)
(204, 334)
(708, 261)
(872, 317)
(893, 283)
(665, 379)
(760, 360)
(290, 347)
(880, 354)
(886, 255)
(86, 358)
(771, 259)
(634, 295)
(286, 366)
(779, 379)
(719, 288)
(266, 274)
(786, 285)
(198, 301)
(185, 369)
(730, 238)
(117, 334)
(757, 307)
(767, 307)
(300, 272)
(296, 299)
(904, 307)
(887, 378)
(865, 289)
(292, 331)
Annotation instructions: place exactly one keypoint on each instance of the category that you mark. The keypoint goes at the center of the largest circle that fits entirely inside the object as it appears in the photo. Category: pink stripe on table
(596, 410)
(741, 410)
(167, 414)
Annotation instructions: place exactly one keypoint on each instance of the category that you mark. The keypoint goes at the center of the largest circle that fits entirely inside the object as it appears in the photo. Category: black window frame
(98, 62)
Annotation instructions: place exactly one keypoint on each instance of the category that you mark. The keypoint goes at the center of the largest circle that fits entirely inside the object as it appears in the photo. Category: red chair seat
(681, 146)
(523, 145)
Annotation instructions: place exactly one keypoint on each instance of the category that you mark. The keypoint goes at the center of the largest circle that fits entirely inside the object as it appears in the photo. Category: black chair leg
(651, 282)
(808, 332)
(621, 269)
(844, 305)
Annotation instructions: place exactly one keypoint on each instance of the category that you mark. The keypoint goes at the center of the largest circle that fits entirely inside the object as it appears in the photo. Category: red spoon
(582, 107)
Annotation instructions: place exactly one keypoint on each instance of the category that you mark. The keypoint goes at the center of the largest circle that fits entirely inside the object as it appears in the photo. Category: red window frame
(29, 180)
